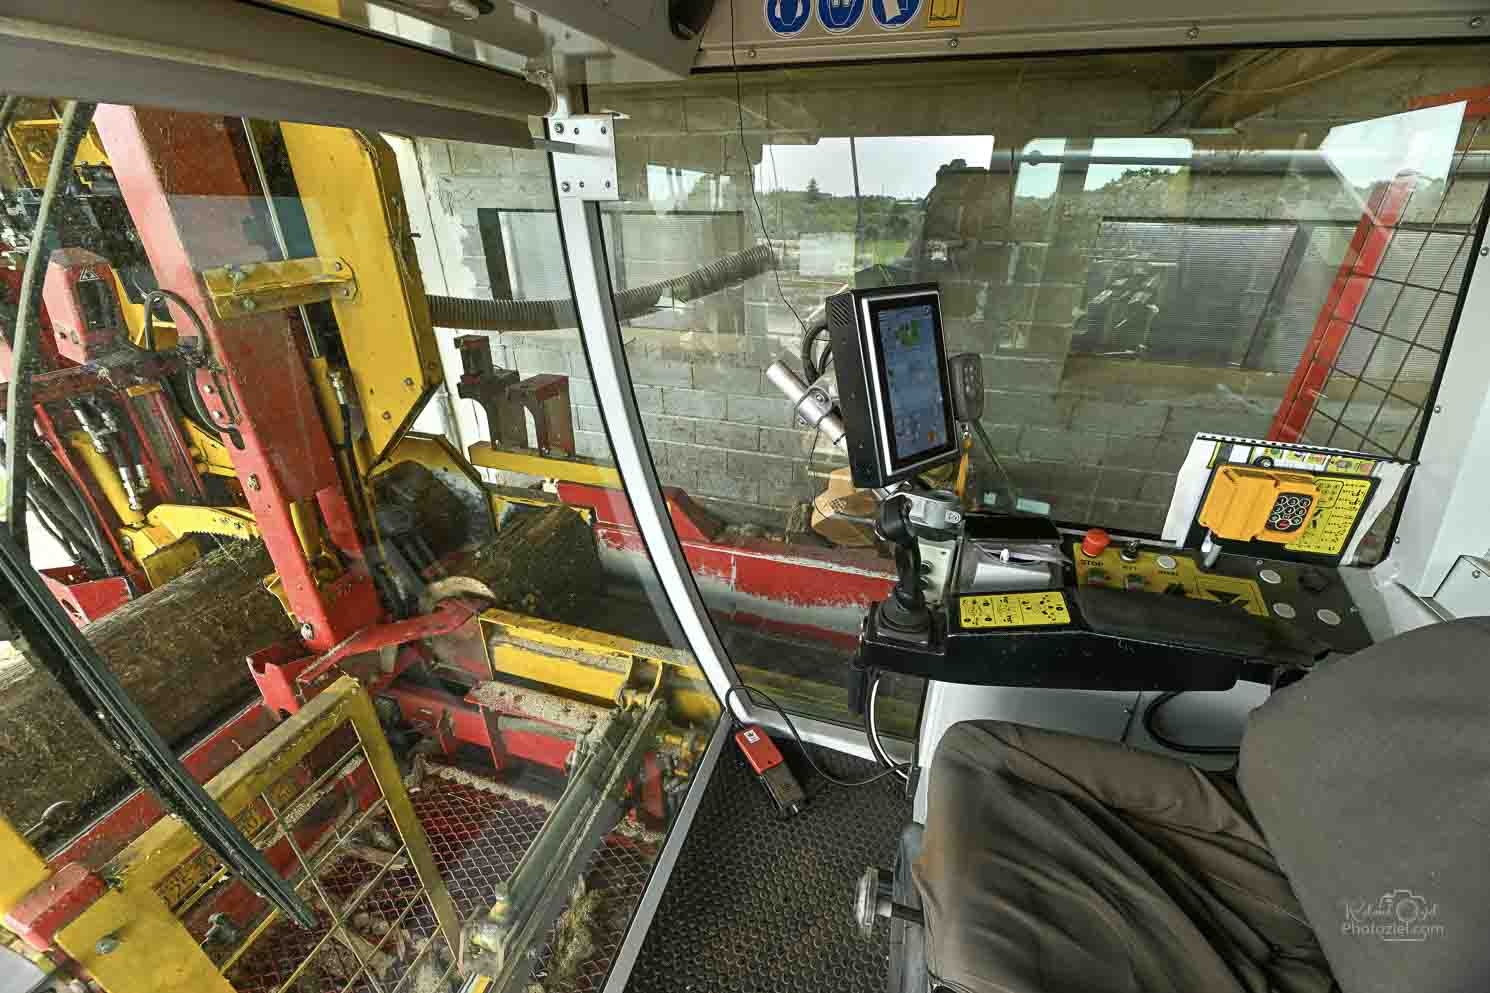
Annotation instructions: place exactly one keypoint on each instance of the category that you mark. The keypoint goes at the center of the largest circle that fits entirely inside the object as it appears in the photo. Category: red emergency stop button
(1095, 542)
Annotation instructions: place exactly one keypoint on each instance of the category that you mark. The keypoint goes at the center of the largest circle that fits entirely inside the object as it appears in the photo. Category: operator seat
(1349, 846)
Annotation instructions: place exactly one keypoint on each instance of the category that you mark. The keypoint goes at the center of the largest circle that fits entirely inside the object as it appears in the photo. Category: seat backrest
(1371, 780)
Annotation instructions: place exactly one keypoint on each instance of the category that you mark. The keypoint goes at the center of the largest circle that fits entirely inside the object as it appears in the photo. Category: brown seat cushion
(1054, 863)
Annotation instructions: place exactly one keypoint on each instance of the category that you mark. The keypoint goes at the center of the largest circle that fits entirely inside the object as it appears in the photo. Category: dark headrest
(1371, 780)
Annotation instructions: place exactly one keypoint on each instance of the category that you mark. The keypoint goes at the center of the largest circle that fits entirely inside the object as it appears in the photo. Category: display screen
(916, 410)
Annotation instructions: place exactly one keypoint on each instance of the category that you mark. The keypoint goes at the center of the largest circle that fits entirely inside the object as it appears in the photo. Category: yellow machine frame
(130, 940)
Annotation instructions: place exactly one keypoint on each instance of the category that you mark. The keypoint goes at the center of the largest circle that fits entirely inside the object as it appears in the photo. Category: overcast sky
(901, 167)
(905, 167)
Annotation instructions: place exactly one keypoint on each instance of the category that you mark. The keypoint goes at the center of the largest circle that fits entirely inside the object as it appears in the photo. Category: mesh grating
(477, 838)
(756, 904)
(1379, 380)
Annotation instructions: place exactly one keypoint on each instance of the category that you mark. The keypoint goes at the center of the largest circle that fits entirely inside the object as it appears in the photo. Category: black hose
(54, 513)
(1150, 724)
(56, 507)
(59, 535)
(9, 107)
(147, 335)
(810, 371)
(46, 464)
(75, 121)
(188, 384)
(550, 315)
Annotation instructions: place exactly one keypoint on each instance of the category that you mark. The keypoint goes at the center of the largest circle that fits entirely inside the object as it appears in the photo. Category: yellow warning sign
(1342, 500)
(1231, 591)
(945, 14)
(1013, 610)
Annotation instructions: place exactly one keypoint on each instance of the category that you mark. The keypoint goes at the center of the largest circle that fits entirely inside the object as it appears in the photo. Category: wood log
(543, 562)
(179, 650)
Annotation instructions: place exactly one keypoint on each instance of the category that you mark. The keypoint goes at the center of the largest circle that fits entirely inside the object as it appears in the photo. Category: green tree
(813, 194)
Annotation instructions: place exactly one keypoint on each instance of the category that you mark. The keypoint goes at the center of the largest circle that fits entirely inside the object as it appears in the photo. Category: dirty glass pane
(309, 413)
(1139, 246)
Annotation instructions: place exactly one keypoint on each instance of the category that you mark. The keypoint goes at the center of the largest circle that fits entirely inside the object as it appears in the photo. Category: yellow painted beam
(211, 455)
(350, 190)
(575, 470)
(183, 519)
(104, 473)
(161, 553)
(161, 859)
(24, 869)
(582, 662)
(129, 942)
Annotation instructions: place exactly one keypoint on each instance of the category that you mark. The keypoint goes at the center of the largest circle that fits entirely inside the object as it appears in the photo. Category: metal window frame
(1442, 514)
(580, 233)
(743, 37)
(573, 165)
(211, 56)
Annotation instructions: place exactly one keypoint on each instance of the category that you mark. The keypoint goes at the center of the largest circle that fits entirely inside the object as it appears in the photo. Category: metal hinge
(254, 287)
(584, 151)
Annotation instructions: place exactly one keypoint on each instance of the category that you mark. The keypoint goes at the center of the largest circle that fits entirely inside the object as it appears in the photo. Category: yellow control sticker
(1231, 591)
(1012, 610)
(1342, 499)
(944, 14)
(1165, 572)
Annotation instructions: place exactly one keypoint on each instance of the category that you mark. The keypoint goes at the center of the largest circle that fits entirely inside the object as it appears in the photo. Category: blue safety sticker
(892, 15)
(787, 17)
(840, 15)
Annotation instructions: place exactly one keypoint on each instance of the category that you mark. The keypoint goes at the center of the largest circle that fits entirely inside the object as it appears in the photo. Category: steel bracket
(584, 155)
(253, 287)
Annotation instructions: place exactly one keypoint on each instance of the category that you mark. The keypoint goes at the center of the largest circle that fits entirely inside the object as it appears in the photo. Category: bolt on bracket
(584, 151)
(253, 287)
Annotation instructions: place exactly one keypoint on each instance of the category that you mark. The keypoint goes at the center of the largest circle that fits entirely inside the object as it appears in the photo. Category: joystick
(904, 611)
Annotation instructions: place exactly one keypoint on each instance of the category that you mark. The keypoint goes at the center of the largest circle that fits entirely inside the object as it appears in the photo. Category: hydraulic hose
(550, 315)
(75, 121)
(10, 106)
(54, 516)
(58, 516)
(49, 471)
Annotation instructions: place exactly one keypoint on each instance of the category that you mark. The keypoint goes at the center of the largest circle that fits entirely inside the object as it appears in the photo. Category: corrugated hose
(550, 315)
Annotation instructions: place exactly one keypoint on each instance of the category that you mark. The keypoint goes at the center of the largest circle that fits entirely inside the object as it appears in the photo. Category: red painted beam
(53, 905)
(82, 598)
(192, 198)
(1368, 246)
(450, 719)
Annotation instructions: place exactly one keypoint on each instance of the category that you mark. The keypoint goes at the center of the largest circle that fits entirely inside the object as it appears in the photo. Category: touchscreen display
(916, 410)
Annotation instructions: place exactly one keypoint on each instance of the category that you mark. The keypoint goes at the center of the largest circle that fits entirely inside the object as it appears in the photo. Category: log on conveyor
(543, 562)
(179, 650)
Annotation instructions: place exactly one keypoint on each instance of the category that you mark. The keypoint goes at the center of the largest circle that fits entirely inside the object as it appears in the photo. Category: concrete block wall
(1098, 439)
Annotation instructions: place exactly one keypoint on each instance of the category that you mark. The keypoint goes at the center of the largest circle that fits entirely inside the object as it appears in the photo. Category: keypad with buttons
(1289, 512)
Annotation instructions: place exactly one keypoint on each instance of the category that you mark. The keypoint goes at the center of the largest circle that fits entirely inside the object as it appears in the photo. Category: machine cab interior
(890, 495)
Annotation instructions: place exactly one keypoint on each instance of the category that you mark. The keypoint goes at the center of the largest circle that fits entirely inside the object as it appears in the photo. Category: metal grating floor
(477, 838)
(760, 905)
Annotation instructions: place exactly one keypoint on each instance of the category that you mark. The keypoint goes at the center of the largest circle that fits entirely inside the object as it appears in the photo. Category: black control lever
(905, 609)
(859, 678)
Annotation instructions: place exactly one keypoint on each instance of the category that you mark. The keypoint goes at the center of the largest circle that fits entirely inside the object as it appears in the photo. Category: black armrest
(1195, 623)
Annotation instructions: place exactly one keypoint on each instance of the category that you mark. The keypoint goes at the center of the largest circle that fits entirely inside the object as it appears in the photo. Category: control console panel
(1311, 598)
